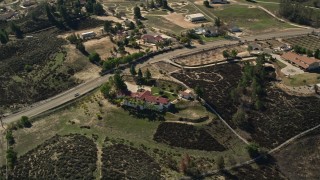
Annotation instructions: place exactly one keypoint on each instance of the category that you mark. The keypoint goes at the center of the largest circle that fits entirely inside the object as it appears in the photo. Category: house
(207, 31)
(219, 2)
(285, 47)
(145, 100)
(304, 62)
(187, 94)
(148, 38)
(88, 35)
(195, 17)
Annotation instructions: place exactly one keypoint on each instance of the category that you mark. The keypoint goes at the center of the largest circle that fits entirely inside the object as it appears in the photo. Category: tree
(51, 18)
(73, 39)
(25, 122)
(317, 54)
(131, 25)
(220, 163)
(199, 91)
(105, 90)
(206, 3)
(16, 30)
(137, 13)
(89, 6)
(259, 104)
(10, 138)
(98, 9)
(140, 73)
(165, 4)
(186, 40)
(107, 26)
(250, 48)
(11, 157)
(309, 53)
(152, 5)
(148, 75)
(133, 70)
(217, 22)
(4, 37)
(94, 57)
(234, 53)
(239, 117)
(253, 150)
(81, 48)
(119, 82)
(226, 54)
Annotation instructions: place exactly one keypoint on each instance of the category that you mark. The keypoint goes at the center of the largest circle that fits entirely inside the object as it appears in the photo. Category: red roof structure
(148, 97)
(151, 39)
(302, 61)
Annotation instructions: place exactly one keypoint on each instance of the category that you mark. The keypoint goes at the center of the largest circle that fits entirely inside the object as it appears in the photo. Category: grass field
(250, 19)
(302, 79)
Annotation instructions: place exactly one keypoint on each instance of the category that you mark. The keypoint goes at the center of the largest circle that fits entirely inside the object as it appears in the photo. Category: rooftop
(148, 97)
(302, 61)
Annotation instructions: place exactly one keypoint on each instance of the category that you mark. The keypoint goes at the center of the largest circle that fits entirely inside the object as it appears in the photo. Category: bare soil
(179, 20)
(210, 56)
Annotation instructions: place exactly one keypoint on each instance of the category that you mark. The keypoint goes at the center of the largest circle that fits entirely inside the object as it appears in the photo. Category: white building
(88, 35)
(195, 17)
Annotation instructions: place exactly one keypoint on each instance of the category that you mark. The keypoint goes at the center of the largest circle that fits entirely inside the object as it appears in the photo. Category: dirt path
(99, 162)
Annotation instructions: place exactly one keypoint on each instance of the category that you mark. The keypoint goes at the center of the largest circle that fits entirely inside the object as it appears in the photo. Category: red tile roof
(148, 97)
(301, 61)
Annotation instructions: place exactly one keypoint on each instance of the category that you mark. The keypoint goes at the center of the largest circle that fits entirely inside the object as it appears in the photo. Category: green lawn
(161, 23)
(159, 92)
(302, 79)
(280, 64)
(252, 19)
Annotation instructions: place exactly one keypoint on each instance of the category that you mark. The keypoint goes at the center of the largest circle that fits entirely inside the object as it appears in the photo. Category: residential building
(187, 94)
(145, 100)
(88, 35)
(304, 62)
(207, 31)
(148, 38)
(195, 17)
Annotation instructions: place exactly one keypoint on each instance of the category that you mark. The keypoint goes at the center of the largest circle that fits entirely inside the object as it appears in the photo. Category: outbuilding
(195, 17)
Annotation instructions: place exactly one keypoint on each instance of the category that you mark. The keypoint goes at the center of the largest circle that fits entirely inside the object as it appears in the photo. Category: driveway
(134, 87)
(290, 69)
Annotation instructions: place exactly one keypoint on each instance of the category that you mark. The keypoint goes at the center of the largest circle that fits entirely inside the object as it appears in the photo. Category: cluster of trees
(113, 86)
(206, 4)
(75, 39)
(94, 7)
(251, 85)
(140, 78)
(300, 50)
(114, 62)
(159, 3)
(11, 157)
(230, 55)
(137, 13)
(297, 12)
(16, 30)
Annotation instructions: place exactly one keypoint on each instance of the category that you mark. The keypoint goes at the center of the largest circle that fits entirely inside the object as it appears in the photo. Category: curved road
(69, 95)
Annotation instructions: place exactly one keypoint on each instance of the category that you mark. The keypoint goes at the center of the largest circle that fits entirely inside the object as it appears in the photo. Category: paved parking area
(290, 69)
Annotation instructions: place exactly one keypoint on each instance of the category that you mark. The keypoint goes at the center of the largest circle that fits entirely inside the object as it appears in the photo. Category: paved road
(69, 95)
